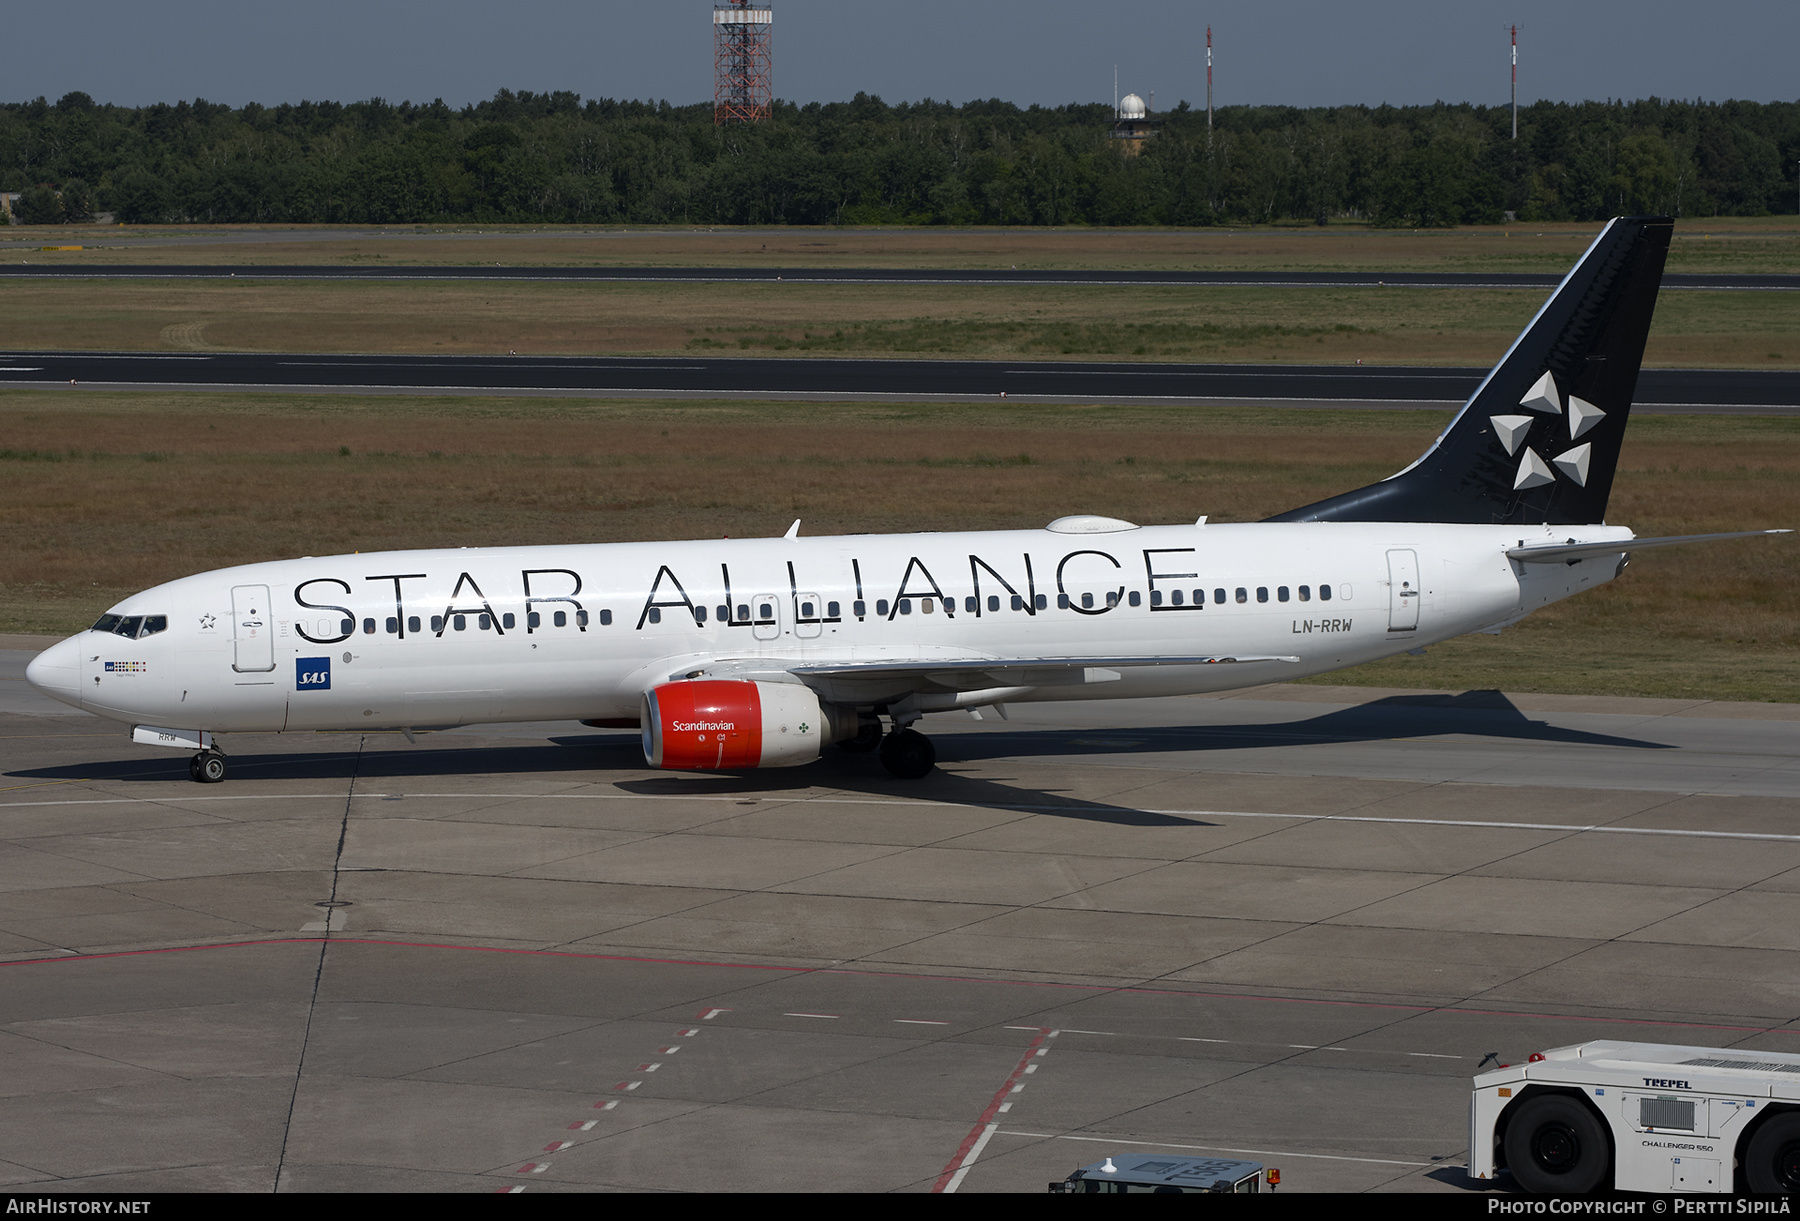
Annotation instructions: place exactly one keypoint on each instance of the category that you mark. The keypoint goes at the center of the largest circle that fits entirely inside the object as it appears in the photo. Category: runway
(1677, 281)
(1285, 924)
(1683, 390)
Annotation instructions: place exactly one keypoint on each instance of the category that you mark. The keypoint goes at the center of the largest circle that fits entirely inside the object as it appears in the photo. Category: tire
(194, 769)
(868, 737)
(1555, 1145)
(1772, 1162)
(209, 768)
(908, 754)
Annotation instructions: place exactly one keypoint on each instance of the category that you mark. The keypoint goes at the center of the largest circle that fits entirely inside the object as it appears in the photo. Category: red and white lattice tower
(741, 60)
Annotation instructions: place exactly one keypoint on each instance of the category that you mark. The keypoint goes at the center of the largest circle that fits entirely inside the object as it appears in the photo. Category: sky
(1048, 52)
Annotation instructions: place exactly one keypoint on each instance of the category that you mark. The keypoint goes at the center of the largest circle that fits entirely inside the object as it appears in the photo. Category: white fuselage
(434, 638)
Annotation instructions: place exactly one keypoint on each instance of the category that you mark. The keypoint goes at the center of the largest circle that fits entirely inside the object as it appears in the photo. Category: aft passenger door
(1403, 591)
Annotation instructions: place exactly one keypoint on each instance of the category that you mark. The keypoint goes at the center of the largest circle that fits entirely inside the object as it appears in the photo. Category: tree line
(555, 158)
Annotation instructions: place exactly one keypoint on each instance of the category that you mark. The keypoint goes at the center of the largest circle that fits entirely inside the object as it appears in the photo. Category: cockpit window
(132, 627)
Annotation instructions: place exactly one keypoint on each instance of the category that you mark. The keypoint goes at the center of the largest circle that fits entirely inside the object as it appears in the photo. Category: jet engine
(728, 724)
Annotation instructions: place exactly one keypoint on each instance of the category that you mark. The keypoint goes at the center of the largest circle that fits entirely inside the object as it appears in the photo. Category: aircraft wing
(976, 674)
(1558, 553)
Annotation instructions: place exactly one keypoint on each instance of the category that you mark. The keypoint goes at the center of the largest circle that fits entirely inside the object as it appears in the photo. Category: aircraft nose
(57, 671)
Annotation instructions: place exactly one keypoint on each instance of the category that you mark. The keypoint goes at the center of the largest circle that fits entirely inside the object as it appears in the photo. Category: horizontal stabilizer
(1570, 552)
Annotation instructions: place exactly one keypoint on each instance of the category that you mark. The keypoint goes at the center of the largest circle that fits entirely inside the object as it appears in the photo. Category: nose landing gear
(207, 767)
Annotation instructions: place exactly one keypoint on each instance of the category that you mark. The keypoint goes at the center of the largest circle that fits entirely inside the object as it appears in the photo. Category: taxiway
(1286, 923)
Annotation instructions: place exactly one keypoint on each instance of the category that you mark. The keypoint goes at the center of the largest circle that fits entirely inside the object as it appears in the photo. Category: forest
(556, 158)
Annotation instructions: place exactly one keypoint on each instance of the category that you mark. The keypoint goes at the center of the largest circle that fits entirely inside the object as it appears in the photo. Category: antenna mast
(1515, 81)
(741, 62)
(1209, 78)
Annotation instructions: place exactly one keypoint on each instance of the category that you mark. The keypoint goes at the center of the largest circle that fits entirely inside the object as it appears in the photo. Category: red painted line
(527, 1168)
(346, 942)
(987, 1116)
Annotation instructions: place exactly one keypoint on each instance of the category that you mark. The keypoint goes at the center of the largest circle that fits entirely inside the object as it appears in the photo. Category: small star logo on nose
(206, 622)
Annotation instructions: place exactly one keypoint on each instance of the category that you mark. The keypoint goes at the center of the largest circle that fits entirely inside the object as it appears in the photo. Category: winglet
(793, 530)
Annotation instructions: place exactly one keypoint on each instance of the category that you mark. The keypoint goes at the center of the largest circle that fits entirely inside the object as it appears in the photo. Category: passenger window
(699, 614)
(881, 607)
(925, 605)
(656, 614)
(507, 620)
(346, 626)
(1018, 603)
(831, 611)
(437, 623)
(484, 622)
(560, 619)
(1087, 601)
(743, 612)
(1262, 593)
(765, 611)
(534, 620)
(1306, 593)
(368, 627)
(1200, 597)
(1324, 593)
(1156, 597)
(412, 623)
(1137, 599)
(806, 610)
(906, 606)
(1243, 595)
(393, 625)
(460, 623)
(1062, 602)
(1175, 597)
(859, 608)
(1218, 597)
(1281, 593)
(1043, 601)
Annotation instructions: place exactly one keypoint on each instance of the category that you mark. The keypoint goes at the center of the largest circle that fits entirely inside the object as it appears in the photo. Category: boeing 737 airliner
(762, 652)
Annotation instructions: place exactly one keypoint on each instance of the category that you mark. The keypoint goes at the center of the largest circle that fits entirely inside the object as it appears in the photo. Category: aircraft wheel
(908, 754)
(1772, 1163)
(868, 737)
(1555, 1145)
(207, 767)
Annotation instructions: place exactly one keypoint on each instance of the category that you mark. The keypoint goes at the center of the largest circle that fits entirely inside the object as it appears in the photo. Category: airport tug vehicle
(1157, 1172)
(1640, 1117)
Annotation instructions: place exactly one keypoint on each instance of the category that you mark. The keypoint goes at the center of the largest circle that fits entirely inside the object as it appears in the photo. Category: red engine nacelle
(727, 724)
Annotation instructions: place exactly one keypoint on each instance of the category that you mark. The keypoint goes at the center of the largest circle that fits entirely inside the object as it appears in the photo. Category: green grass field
(104, 494)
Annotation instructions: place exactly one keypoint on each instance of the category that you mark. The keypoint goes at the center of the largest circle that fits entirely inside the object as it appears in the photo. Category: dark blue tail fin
(1539, 440)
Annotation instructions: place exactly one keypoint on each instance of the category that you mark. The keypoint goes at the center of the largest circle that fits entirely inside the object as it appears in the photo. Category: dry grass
(1760, 244)
(105, 494)
(1375, 325)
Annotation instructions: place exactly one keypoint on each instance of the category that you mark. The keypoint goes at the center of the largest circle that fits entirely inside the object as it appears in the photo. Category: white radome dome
(1132, 107)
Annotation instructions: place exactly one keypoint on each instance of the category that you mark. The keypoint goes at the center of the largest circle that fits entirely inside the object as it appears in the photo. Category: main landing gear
(207, 767)
(908, 754)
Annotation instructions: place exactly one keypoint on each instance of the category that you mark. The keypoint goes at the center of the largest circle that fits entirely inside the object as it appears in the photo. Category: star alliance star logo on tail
(1511, 430)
